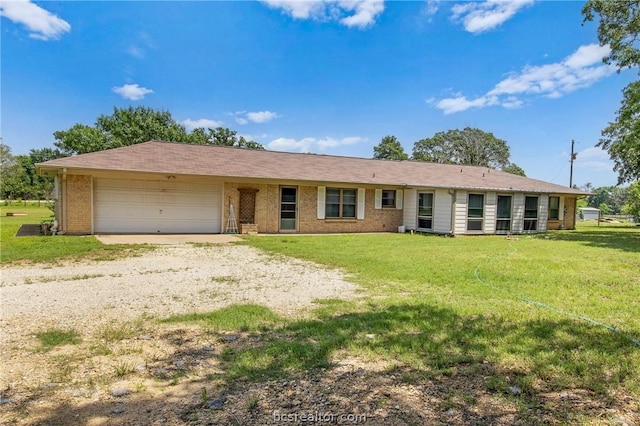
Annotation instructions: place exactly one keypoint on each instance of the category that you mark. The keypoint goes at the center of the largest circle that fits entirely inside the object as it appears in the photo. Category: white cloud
(366, 12)
(261, 116)
(140, 46)
(136, 52)
(588, 55)
(310, 144)
(351, 13)
(132, 92)
(244, 117)
(430, 8)
(594, 159)
(581, 69)
(202, 122)
(478, 17)
(43, 24)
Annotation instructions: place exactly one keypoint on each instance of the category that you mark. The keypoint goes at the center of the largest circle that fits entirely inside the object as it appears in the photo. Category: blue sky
(331, 77)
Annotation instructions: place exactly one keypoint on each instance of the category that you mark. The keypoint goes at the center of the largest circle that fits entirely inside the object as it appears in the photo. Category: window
(554, 208)
(425, 210)
(530, 213)
(503, 221)
(388, 198)
(475, 212)
(341, 203)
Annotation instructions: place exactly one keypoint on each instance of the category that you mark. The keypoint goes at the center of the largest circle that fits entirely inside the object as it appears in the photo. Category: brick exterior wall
(78, 208)
(569, 221)
(267, 214)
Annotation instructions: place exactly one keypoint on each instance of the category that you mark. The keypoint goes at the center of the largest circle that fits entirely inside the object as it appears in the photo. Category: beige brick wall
(268, 211)
(569, 221)
(78, 207)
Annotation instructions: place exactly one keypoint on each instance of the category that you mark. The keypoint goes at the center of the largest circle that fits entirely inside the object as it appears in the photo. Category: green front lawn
(47, 248)
(550, 312)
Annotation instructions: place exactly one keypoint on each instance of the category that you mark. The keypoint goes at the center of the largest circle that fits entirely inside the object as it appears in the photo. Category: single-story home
(165, 187)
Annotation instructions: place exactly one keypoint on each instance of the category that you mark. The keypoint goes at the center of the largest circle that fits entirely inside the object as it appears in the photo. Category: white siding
(410, 213)
(543, 212)
(490, 212)
(442, 211)
(460, 221)
(518, 213)
(399, 199)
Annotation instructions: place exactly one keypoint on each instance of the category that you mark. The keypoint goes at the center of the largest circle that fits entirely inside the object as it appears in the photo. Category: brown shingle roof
(207, 160)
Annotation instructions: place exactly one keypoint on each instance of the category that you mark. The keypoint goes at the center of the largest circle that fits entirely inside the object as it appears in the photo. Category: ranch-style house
(165, 187)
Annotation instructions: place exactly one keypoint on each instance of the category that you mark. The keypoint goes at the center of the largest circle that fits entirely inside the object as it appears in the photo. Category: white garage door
(156, 206)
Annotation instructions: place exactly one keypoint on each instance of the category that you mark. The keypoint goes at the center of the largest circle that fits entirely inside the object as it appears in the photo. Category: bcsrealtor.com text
(318, 417)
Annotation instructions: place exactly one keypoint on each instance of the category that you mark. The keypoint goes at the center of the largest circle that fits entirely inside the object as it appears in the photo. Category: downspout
(63, 204)
(453, 193)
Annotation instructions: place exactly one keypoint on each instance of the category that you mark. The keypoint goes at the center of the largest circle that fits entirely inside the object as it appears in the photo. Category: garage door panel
(156, 206)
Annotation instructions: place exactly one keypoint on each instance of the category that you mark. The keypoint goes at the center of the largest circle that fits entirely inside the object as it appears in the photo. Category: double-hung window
(475, 212)
(554, 208)
(341, 203)
(388, 198)
(503, 218)
(530, 213)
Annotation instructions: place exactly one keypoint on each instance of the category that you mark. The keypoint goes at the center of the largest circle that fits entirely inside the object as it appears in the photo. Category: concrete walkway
(167, 238)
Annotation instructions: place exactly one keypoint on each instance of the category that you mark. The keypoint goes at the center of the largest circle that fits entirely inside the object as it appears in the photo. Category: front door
(288, 208)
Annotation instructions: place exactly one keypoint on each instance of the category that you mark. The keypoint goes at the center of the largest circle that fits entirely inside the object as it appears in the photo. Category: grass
(58, 337)
(436, 304)
(249, 318)
(49, 248)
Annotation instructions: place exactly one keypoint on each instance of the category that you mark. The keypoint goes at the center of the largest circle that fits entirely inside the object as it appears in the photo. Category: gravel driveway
(169, 280)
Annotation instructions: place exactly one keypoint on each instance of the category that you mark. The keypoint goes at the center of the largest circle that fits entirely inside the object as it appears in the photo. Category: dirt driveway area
(114, 306)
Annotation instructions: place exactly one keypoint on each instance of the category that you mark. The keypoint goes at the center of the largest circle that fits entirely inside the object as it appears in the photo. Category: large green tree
(126, 126)
(389, 148)
(632, 203)
(130, 126)
(619, 27)
(467, 146)
(614, 197)
(12, 177)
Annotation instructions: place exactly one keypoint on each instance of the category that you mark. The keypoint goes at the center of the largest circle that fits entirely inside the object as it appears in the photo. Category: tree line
(468, 146)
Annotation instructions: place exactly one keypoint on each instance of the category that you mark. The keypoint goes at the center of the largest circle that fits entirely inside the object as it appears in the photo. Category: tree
(126, 126)
(130, 126)
(468, 146)
(221, 136)
(12, 182)
(632, 204)
(613, 197)
(619, 27)
(389, 148)
(514, 169)
(621, 138)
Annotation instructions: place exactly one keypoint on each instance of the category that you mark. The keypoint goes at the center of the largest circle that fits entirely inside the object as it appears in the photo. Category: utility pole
(573, 157)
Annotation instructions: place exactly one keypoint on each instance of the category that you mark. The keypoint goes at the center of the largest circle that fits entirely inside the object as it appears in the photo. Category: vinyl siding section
(490, 212)
(410, 215)
(543, 212)
(460, 211)
(442, 211)
(518, 213)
